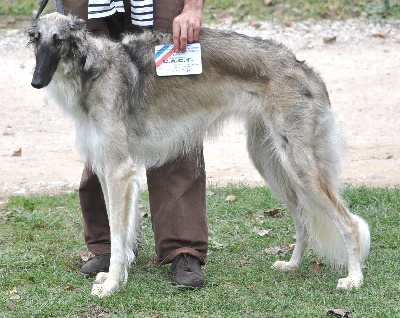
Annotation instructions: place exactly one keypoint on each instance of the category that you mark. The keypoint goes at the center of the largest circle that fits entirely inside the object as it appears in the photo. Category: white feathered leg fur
(309, 188)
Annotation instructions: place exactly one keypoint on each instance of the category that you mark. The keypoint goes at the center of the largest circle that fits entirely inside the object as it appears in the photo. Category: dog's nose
(37, 85)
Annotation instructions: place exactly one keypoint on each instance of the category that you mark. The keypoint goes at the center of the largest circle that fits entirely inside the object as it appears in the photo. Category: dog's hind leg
(262, 152)
(122, 183)
(308, 148)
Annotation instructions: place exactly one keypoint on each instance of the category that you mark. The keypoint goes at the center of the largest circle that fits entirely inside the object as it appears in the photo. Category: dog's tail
(326, 241)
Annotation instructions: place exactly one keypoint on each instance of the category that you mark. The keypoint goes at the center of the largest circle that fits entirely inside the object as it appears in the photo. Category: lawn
(41, 237)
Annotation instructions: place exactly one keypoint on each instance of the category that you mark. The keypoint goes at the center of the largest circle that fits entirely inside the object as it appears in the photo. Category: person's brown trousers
(177, 189)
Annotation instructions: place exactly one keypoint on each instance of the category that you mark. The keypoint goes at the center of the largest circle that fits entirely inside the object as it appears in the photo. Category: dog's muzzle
(46, 64)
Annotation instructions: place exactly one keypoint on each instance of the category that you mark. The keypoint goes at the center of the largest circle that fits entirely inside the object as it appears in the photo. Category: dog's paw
(105, 289)
(284, 266)
(349, 282)
(101, 278)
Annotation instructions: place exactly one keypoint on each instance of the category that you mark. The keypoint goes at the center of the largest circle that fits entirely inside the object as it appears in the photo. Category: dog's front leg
(121, 184)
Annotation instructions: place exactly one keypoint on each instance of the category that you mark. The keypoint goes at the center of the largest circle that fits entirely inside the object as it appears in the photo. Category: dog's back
(242, 76)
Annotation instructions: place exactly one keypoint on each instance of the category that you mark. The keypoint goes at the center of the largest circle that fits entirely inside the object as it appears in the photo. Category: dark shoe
(97, 264)
(186, 271)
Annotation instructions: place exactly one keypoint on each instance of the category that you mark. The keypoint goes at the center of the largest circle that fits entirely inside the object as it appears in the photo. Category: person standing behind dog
(177, 189)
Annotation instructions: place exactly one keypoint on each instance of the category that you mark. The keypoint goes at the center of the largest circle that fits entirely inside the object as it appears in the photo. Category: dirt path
(363, 80)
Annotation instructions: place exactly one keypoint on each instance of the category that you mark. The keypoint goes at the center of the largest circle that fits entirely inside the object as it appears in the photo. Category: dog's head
(53, 36)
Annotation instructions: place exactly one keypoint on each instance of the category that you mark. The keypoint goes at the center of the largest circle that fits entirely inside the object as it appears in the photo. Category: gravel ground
(307, 35)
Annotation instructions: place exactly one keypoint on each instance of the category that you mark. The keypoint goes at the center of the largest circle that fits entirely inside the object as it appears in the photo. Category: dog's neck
(90, 61)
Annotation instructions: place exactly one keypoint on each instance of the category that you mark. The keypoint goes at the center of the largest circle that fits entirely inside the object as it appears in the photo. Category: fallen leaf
(230, 198)
(337, 312)
(317, 266)
(329, 39)
(262, 231)
(275, 250)
(273, 213)
(291, 245)
(105, 313)
(209, 193)
(255, 23)
(17, 153)
(69, 287)
(85, 256)
(328, 14)
(379, 35)
(10, 305)
(13, 290)
(15, 297)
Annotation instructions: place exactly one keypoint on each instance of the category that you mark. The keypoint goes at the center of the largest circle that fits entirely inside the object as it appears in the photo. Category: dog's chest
(66, 94)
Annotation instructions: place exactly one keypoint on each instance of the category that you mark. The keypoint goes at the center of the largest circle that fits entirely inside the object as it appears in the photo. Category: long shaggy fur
(126, 117)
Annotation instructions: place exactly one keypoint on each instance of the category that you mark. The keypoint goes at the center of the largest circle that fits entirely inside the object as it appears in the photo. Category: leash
(43, 4)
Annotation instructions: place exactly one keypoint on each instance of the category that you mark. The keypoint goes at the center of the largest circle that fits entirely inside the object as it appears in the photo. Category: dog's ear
(31, 31)
(76, 24)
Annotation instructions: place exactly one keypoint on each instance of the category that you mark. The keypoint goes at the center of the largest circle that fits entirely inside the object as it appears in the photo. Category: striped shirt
(141, 10)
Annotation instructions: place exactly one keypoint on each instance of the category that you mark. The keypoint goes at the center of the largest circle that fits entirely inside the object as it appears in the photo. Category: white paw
(101, 277)
(285, 266)
(348, 283)
(105, 289)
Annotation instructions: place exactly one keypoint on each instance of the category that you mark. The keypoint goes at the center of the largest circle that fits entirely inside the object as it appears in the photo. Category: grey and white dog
(126, 117)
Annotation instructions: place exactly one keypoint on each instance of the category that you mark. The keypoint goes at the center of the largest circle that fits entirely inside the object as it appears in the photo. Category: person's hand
(186, 26)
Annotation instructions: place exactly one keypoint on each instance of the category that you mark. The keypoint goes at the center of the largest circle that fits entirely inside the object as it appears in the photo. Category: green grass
(250, 10)
(297, 10)
(41, 236)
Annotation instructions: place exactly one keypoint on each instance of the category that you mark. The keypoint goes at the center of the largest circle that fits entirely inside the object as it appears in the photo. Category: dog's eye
(58, 42)
(34, 37)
